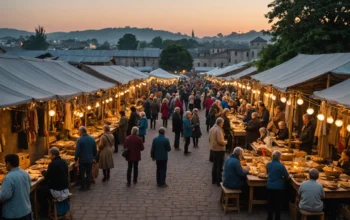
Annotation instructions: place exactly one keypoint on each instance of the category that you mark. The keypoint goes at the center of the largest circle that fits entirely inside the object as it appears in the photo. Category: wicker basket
(287, 156)
(334, 173)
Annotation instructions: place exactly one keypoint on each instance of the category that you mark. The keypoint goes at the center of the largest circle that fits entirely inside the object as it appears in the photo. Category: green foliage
(128, 42)
(175, 58)
(104, 46)
(157, 42)
(143, 44)
(304, 26)
(187, 43)
(37, 42)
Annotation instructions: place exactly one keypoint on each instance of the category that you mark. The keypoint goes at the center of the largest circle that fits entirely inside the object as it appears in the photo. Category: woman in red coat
(134, 145)
(164, 109)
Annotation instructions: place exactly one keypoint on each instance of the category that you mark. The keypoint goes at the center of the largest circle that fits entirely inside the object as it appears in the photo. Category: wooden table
(254, 181)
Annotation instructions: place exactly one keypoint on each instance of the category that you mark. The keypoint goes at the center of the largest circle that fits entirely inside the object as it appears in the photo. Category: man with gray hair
(248, 114)
(177, 127)
(311, 193)
(234, 175)
(218, 148)
(85, 154)
(307, 134)
(187, 131)
(159, 153)
(252, 129)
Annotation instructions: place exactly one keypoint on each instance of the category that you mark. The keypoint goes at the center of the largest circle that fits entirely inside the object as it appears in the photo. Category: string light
(97, 104)
(283, 99)
(107, 100)
(348, 128)
(122, 93)
(273, 97)
(52, 112)
(110, 99)
(310, 111)
(267, 94)
(320, 117)
(330, 120)
(300, 101)
(253, 91)
(81, 114)
(259, 92)
(89, 107)
(339, 123)
(116, 95)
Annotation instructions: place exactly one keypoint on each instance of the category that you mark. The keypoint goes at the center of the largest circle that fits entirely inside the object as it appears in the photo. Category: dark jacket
(155, 108)
(86, 149)
(277, 175)
(57, 174)
(253, 130)
(234, 176)
(197, 102)
(187, 127)
(134, 145)
(133, 121)
(307, 137)
(177, 123)
(160, 148)
(143, 126)
(282, 134)
(227, 125)
(248, 117)
(147, 108)
(345, 165)
(265, 117)
(214, 109)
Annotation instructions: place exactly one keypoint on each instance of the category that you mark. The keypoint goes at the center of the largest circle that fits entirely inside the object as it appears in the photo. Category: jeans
(26, 217)
(85, 172)
(161, 171)
(187, 143)
(177, 139)
(131, 164)
(165, 123)
(186, 105)
(218, 162)
(274, 204)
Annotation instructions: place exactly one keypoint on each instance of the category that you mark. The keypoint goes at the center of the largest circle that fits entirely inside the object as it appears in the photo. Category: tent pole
(86, 113)
(290, 124)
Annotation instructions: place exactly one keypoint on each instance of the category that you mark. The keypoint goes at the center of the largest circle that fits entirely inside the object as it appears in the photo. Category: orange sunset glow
(207, 18)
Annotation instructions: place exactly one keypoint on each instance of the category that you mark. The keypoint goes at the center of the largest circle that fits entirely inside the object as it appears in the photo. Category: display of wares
(262, 175)
(331, 186)
(317, 159)
(43, 161)
(344, 185)
(332, 171)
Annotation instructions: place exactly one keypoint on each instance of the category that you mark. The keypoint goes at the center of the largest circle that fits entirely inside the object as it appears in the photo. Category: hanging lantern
(89, 107)
(97, 104)
(320, 117)
(283, 99)
(348, 128)
(330, 120)
(273, 97)
(52, 112)
(339, 123)
(300, 101)
(310, 111)
(81, 114)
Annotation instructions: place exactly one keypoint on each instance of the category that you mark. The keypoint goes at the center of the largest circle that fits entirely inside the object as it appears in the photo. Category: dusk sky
(206, 17)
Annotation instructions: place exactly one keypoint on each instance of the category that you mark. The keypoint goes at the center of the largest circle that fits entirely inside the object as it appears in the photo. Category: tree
(157, 42)
(37, 42)
(220, 35)
(143, 44)
(304, 26)
(128, 42)
(176, 58)
(104, 46)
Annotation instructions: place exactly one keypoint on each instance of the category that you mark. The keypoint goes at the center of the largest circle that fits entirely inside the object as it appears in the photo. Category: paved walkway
(190, 194)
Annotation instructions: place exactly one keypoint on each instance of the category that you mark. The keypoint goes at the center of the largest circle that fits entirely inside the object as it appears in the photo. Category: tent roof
(22, 80)
(160, 73)
(245, 72)
(228, 69)
(339, 93)
(118, 74)
(84, 59)
(302, 68)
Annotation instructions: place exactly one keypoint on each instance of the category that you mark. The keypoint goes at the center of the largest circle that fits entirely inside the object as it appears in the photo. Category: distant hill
(113, 34)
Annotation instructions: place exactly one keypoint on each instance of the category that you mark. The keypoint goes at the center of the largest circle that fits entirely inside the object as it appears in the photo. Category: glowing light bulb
(289, 102)
(259, 92)
(283, 99)
(253, 91)
(122, 93)
(89, 107)
(107, 100)
(116, 95)
(320, 117)
(330, 120)
(110, 99)
(339, 123)
(267, 94)
(310, 111)
(300, 101)
(348, 128)
(273, 97)
(97, 104)
(52, 112)
(81, 114)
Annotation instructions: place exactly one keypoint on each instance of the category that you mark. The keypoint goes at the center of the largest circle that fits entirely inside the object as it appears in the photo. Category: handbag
(125, 153)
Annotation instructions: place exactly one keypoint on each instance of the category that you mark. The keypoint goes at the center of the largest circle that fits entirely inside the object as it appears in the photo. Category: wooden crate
(24, 160)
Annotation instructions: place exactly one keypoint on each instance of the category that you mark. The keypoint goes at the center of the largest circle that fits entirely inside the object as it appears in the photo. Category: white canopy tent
(244, 73)
(302, 68)
(338, 94)
(160, 73)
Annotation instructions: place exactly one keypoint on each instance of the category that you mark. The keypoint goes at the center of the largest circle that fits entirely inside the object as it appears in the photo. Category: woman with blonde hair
(165, 112)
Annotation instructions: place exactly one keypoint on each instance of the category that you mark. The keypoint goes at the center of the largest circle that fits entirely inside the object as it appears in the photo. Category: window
(222, 65)
(253, 54)
(199, 64)
(235, 53)
(257, 44)
(205, 64)
(214, 64)
(229, 59)
(217, 50)
(247, 54)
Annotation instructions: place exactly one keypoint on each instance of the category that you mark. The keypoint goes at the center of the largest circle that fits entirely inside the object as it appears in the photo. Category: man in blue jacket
(85, 152)
(234, 175)
(159, 153)
(187, 130)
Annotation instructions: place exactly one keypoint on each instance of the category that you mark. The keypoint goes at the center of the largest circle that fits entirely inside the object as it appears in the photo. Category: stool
(305, 214)
(227, 194)
(53, 210)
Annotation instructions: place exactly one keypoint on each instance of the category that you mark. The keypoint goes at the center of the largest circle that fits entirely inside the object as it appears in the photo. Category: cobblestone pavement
(190, 194)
